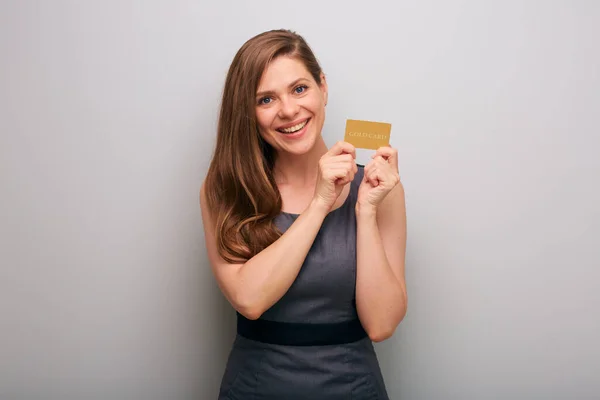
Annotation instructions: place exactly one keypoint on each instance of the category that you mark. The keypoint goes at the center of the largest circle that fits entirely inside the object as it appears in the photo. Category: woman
(306, 245)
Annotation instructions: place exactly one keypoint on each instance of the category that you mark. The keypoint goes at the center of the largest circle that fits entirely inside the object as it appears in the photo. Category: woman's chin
(297, 146)
(300, 147)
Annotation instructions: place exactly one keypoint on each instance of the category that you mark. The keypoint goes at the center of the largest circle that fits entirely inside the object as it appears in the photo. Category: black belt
(300, 334)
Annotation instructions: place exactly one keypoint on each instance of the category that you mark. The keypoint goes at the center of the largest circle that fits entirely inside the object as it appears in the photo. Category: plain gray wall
(107, 115)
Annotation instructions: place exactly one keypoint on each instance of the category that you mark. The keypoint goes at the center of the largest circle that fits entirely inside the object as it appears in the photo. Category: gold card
(367, 134)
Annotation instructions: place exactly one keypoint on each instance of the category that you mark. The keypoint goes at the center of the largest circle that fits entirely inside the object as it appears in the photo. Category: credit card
(367, 134)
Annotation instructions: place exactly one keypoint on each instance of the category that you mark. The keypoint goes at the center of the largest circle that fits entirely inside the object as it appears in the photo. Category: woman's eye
(301, 89)
(264, 100)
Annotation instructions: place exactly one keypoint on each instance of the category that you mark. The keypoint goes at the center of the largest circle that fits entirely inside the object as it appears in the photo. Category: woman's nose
(289, 108)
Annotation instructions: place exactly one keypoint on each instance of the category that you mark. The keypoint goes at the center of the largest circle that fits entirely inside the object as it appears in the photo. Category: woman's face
(290, 106)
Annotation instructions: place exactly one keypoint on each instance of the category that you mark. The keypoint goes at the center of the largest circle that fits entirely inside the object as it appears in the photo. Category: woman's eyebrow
(266, 92)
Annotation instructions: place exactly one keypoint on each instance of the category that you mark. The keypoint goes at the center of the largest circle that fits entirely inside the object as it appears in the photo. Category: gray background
(107, 121)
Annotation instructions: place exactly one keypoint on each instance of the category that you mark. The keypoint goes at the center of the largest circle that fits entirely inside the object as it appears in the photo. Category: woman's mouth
(294, 129)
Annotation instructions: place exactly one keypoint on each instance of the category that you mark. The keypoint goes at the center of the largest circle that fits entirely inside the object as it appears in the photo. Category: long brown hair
(241, 192)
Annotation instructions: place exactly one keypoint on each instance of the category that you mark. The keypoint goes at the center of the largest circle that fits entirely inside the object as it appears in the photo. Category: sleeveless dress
(323, 293)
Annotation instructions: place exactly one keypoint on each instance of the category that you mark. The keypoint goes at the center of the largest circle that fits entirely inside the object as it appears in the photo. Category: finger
(385, 152)
(335, 173)
(385, 175)
(388, 153)
(329, 161)
(342, 161)
(372, 176)
(384, 164)
(368, 167)
(381, 162)
(342, 147)
(348, 178)
(346, 158)
(365, 175)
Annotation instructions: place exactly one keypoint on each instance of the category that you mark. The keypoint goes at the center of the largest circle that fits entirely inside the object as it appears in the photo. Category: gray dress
(323, 293)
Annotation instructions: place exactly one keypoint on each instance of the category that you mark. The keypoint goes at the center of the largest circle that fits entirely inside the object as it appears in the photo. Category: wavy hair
(240, 187)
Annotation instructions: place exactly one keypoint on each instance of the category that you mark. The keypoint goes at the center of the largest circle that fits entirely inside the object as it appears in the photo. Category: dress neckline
(342, 206)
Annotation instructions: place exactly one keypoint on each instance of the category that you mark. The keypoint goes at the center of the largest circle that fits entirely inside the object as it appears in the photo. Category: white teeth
(294, 128)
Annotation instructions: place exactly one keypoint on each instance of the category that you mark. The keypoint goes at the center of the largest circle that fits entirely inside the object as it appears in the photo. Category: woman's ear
(324, 88)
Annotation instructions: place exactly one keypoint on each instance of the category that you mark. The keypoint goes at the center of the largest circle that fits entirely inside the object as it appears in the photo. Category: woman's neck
(300, 170)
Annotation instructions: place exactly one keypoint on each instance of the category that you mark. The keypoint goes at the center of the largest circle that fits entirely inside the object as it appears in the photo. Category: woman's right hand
(336, 168)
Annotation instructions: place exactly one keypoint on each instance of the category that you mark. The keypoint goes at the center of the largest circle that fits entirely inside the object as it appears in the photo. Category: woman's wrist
(365, 210)
(318, 207)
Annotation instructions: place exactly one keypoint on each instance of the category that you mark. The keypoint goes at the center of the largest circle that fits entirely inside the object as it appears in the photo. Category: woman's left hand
(380, 177)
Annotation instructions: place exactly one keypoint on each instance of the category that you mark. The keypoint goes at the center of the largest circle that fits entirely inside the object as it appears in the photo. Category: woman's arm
(381, 296)
(254, 286)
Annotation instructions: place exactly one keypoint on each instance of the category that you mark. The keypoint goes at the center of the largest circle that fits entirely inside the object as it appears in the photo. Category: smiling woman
(290, 116)
(306, 245)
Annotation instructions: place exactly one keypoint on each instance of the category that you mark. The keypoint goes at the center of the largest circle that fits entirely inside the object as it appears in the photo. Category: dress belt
(300, 334)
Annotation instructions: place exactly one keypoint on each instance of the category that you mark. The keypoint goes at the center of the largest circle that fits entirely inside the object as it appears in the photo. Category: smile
(294, 128)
